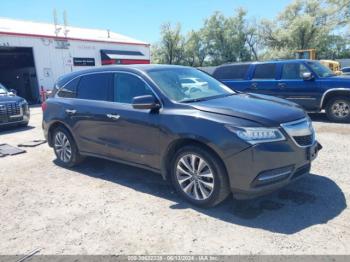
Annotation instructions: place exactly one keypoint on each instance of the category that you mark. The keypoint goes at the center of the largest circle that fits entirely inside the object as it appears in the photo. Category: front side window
(265, 71)
(293, 71)
(95, 86)
(169, 81)
(319, 69)
(127, 86)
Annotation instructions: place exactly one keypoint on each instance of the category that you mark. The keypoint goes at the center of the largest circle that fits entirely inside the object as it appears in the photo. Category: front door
(135, 134)
(293, 87)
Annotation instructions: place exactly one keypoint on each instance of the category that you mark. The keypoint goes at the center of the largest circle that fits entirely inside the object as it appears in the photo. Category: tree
(305, 24)
(171, 47)
(195, 51)
(225, 38)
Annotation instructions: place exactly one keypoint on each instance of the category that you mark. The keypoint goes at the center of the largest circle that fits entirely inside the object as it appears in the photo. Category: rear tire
(338, 109)
(196, 165)
(65, 148)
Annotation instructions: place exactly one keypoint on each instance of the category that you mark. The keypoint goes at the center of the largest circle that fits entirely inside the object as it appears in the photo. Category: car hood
(6, 98)
(266, 110)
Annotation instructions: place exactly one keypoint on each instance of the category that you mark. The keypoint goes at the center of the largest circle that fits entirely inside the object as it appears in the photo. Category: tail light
(44, 106)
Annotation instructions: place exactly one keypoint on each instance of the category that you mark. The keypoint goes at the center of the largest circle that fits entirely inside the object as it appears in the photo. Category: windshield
(172, 83)
(320, 70)
(3, 90)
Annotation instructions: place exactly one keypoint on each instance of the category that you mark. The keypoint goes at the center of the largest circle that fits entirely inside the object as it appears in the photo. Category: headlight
(23, 103)
(255, 135)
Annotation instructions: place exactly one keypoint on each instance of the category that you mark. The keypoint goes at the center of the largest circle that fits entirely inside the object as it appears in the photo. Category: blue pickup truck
(305, 82)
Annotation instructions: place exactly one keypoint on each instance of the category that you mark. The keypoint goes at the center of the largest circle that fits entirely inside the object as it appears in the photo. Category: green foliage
(304, 24)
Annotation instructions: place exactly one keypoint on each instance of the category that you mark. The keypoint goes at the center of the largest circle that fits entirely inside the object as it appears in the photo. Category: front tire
(338, 109)
(65, 148)
(199, 176)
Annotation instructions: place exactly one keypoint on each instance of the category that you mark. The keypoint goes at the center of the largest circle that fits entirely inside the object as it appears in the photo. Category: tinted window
(293, 71)
(265, 71)
(127, 86)
(94, 87)
(70, 89)
(346, 69)
(321, 70)
(231, 72)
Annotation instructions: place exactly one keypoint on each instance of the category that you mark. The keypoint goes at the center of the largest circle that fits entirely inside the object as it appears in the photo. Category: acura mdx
(207, 139)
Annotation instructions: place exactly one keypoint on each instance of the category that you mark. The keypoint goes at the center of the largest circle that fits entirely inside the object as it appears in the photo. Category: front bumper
(266, 167)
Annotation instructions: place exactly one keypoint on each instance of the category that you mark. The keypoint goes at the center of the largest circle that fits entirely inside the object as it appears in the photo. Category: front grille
(301, 131)
(13, 109)
(10, 112)
(3, 113)
(304, 140)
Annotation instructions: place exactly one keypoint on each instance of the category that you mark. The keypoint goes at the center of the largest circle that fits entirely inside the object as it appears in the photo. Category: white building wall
(51, 62)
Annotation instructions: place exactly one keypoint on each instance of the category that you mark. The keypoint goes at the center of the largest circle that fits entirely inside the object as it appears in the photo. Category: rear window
(95, 87)
(265, 71)
(231, 72)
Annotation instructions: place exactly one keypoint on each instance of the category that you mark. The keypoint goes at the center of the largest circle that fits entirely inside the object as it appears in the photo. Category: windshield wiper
(204, 98)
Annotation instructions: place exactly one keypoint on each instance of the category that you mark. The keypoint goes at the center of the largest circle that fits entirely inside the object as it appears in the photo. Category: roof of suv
(267, 62)
(131, 68)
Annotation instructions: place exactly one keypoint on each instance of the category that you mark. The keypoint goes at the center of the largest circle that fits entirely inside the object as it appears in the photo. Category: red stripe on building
(125, 61)
(71, 38)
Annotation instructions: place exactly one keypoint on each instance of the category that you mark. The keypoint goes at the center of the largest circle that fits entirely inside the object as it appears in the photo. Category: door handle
(71, 111)
(282, 85)
(112, 116)
(254, 85)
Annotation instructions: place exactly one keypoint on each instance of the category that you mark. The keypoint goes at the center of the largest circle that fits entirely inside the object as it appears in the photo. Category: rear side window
(95, 87)
(70, 89)
(265, 71)
(237, 72)
(127, 86)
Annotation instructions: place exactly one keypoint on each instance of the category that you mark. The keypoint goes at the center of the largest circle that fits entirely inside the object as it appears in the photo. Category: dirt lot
(107, 208)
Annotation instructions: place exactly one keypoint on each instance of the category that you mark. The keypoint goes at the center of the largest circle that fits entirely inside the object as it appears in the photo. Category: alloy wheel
(195, 177)
(341, 109)
(63, 147)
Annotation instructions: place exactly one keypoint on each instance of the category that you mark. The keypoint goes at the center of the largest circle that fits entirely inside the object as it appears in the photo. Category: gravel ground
(102, 207)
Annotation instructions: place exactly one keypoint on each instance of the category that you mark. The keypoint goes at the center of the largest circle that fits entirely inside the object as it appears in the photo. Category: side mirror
(145, 102)
(308, 76)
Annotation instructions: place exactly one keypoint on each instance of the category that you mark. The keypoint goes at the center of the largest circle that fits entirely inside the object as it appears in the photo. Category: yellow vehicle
(332, 65)
(311, 54)
(305, 54)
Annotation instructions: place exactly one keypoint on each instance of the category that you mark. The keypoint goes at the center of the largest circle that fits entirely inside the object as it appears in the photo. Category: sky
(139, 19)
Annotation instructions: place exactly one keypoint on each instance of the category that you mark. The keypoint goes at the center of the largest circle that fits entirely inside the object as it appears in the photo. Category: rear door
(89, 113)
(263, 80)
(293, 87)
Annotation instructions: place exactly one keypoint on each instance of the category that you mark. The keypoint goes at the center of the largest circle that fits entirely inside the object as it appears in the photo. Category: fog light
(272, 176)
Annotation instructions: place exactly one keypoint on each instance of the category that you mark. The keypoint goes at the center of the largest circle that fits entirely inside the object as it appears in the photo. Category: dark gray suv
(206, 138)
